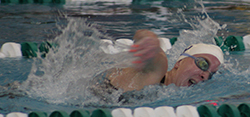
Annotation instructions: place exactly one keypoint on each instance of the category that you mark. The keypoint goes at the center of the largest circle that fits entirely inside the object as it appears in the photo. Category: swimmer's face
(187, 73)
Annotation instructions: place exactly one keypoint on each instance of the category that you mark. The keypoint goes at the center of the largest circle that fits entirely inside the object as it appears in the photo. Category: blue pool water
(66, 78)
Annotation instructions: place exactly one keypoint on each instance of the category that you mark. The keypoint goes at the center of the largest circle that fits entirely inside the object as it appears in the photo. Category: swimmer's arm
(130, 78)
(149, 69)
(147, 49)
(140, 34)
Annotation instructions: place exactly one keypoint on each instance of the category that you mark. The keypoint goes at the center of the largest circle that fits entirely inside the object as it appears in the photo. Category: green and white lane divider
(33, 1)
(26, 49)
(224, 110)
(231, 43)
(30, 49)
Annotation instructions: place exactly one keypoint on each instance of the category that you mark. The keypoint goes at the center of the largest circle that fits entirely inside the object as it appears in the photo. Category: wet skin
(152, 64)
(186, 73)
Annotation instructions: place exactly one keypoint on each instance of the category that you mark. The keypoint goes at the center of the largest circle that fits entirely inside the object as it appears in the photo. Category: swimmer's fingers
(139, 65)
(145, 43)
(135, 48)
(146, 54)
(143, 59)
(145, 51)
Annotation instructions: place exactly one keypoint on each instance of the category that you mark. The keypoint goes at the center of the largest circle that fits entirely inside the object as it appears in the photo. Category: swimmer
(196, 64)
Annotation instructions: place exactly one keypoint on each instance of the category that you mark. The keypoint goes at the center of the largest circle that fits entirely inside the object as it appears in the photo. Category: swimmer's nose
(205, 75)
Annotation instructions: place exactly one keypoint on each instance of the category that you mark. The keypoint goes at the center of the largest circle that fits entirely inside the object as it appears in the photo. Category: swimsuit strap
(108, 83)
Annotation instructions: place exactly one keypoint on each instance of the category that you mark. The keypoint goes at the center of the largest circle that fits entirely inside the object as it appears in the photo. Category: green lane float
(233, 43)
(244, 110)
(101, 113)
(228, 110)
(173, 40)
(37, 114)
(59, 114)
(207, 111)
(29, 49)
(220, 42)
(80, 113)
(45, 46)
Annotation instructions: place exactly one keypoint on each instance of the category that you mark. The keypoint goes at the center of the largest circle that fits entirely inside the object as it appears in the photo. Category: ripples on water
(66, 78)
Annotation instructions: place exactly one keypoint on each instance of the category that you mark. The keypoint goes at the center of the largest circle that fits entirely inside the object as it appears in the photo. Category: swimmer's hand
(146, 48)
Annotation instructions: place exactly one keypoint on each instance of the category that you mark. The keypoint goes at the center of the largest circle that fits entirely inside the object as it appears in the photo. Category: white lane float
(246, 41)
(27, 49)
(164, 111)
(122, 112)
(17, 114)
(10, 49)
(187, 111)
(120, 45)
(123, 45)
(144, 112)
(2, 55)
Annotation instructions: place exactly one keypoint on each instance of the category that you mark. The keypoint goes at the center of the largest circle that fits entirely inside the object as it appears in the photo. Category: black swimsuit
(163, 80)
(108, 84)
(109, 88)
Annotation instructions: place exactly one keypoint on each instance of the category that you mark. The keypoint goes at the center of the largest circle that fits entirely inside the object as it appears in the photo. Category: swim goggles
(201, 63)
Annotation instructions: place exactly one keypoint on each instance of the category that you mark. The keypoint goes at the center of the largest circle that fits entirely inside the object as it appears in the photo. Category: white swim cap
(202, 48)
